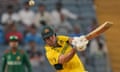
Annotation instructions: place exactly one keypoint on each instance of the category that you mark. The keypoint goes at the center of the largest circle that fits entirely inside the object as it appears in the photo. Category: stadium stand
(83, 8)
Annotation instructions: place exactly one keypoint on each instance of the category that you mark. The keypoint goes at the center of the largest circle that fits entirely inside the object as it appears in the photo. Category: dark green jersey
(15, 62)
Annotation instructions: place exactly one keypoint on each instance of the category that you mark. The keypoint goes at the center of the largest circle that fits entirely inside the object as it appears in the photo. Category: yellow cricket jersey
(52, 53)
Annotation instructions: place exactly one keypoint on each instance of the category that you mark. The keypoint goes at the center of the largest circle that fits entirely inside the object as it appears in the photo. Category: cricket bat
(99, 30)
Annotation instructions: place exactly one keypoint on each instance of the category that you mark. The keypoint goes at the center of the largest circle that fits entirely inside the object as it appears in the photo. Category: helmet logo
(47, 30)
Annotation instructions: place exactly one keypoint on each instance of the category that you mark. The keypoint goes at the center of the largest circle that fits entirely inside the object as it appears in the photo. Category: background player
(15, 59)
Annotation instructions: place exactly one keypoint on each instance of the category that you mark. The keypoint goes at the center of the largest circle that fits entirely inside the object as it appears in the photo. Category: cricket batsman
(61, 50)
(15, 59)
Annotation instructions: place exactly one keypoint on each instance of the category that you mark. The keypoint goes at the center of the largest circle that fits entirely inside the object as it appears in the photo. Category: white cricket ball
(31, 2)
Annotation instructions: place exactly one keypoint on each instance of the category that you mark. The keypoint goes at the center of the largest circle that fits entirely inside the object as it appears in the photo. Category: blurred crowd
(27, 24)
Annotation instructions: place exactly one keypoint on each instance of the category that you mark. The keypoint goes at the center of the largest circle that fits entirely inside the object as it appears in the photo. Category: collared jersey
(52, 53)
(15, 62)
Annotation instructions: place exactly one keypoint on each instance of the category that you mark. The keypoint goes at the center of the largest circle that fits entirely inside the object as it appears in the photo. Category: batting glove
(80, 43)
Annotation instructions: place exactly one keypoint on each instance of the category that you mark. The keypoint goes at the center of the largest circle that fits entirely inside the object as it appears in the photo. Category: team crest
(18, 58)
(46, 30)
(61, 41)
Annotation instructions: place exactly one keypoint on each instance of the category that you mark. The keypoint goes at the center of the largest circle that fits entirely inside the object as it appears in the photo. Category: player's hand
(80, 43)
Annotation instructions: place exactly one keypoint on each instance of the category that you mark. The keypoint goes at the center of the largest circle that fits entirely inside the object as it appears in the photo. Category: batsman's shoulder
(63, 37)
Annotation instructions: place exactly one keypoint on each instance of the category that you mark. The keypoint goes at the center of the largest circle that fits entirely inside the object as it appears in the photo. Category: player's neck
(14, 50)
(57, 45)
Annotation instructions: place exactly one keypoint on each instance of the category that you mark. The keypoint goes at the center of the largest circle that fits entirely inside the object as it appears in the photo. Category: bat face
(102, 28)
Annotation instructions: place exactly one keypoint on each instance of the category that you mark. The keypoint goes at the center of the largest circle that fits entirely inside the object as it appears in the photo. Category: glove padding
(80, 43)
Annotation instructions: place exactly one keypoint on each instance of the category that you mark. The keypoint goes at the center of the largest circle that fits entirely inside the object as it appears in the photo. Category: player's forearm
(29, 66)
(27, 62)
(30, 69)
(65, 58)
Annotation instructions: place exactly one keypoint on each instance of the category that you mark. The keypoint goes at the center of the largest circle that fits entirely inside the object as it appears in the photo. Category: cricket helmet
(47, 31)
